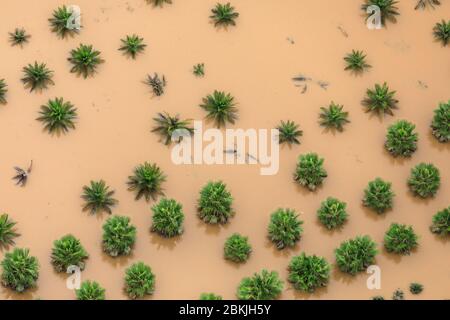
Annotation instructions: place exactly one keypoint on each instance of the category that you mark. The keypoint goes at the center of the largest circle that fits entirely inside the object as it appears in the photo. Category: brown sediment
(255, 63)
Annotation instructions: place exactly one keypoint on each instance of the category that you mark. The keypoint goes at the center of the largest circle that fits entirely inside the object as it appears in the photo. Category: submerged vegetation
(289, 132)
(401, 140)
(132, 45)
(265, 285)
(37, 76)
(415, 288)
(167, 125)
(146, 181)
(19, 37)
(224, 15)
(400, 239)
(139, 280)
(332, 213)
(59, 22)
(167, 218)
(237, 248)
(422, 4)
(199, 70)
(7, 231)
(378, 196)
(215, 203)
(159, 2)
(285, 229)
(388, 10)
(119, 236)
(90, 290)
(85, 60)
(424, 180)
(157, 84)
(20, 271)
(333, 117)
(440, 125)
(3, 91)
(66, 252)
(441, 223)
(441, 32)
(220, 108)
(98, 197)
(355, 255)
(356, 62)
(309, 172)
(398, 295)
(210, 296)
(58, 116)
(308, 273)
(380, 100)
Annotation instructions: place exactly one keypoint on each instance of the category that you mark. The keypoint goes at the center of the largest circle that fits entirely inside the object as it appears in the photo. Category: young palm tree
(333, 117)
(157, 84)
(90, 290)
(58, 116)
(224, 15)
(422, 4)
(132, 45)
(7, 231)
(67, 252)
(37, 76)
(85, 60)
(147, 181)
(3, 91)
(356, 62)
(380, 100)
(388, 9)
(159, 2)
(441, 32)
(167, 125)
(20, 270)
(199, 70)
(98, 197)
(59, 22)
(220, 107)
(289, 132)
(19, 37)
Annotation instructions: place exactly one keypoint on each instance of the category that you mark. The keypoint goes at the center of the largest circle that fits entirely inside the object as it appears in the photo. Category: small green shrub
(440, 125)
(224, 15)
(66, 252)
(167, 218)
(157, 84)
(416, 288)
(167, 125)
(307, 273)
(332, 213)
(215, 203)
(310, 172)
(333, 117)
(7, 231)
(401, 140)
(139, 280)
(37, 76)
(441, 32)
(378, 196)
(199, 70)
(19, 37)
(378, 298)
(380, 100)
(59, 22)
(3, 91)
(132, 45)
(119, 236)
(159, 2)
(289, 132)
(90, 290)
(355, 255)
(220, 108)
(147, 181)
(388, 9)
(210, 296)
(262, 286)
(85, 60)
(98, 197)
(20, 270)
(356, 62)
(398, 295)
(441, 222)
(237, 248)
(400, 239)
(58, 116)
(424, 180)
(285, 229)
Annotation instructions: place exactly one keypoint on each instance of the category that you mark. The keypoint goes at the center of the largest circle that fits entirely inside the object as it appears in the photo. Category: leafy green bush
(168, 218)
(210, 296)
(90, 290)
(237, 248)
(19, 37)
(379, 298)
(309, 172)
(215, 203)
(7, 231)
(119, 236)
(416, 288)
(132, 45)
(380, 100)
(398, 295)
(289, 132)
(400, 239)
(388, 9)
(66, 252)
(285, 229)
(332, 213)
(262, 286)
(440, 125)
(401, 140)
(85, 60)
(378, 196)
(59, 22)
(139, 280)
(441, 32)
(37, 76)
(167, 125)
(356, 61)
(199, 70)
(20, 270)
(98, 197)
(355, 255)
(307, 273)
(220, 108)
(441, 222)
(224, 15)
(58, 116)
(333, 117)
(3, 91)
(424, 180)
(147, 181)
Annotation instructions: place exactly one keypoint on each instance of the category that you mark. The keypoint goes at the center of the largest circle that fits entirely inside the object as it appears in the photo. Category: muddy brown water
(255, 61)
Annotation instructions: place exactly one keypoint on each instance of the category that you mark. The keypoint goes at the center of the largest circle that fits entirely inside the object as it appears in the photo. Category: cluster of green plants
(380, 100)
(400, 239)
(289, 132)
(388, 10)
(37, 76)
(356, 62)
(139, 280)
(210, 296)
(309, 172)
(441, 223)
(355, 255)
(307, 273)
(424, 180)
(333, 117)
(90, 290)
(401, 140)
(132, 45)
(440, 125)
(332, 213)
(167, 218)
(8, 231)
(224, 15)
(146, 181)
(441, 32)
(285, 228)
(58, 116)
(215, 203)
(119, 236)
(3, 91)
(378, 196)
(237, 248)
(171, 128)
(220, 108)
(59, 22)
(98, 197)
(85, 60)
(20, 271)
(265, 285)
(66, 252)
(19, 37)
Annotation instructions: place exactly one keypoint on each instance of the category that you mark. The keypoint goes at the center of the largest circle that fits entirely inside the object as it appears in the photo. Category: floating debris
(324, 85)
(21, 176)
(302, 79)
(422, 84)
(342, 30)
(422, 4)
(291, 41)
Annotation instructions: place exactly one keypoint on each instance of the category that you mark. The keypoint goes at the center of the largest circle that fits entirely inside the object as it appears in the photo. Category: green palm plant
(58, 116)
(85, 60)
(237, 248)
(309, 172)
(355, 255)
(159, 2)
(168, 218)
(401, 140)
(90, 290)
(20, 271)
(119, 236)
(215, 203)
(380, 100)
(220, 108)
(441, 32)
(415, 288)
(98, 197)
(147, 181)
(285, 228)
(3, 91)
(19, 37)
(333, 117)
(210, 296)
(199, 70)
(289, 132)
(356, 61)
(441, 223)
(60, 22)
(422, 4)
(424, 180)
(388, 9)
(308, 273)
(171, 128)
(400, 239)
(37, 76)
(332, 213)
(265, 285)
(139, 280)
(132, 45)
(66, 252)
(378, 196)
(398, 295)
(440, 125)
(224, 15)
(7, 231)
(157, 84)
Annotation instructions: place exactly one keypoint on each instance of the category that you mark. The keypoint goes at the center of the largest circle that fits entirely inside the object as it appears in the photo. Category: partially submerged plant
(424, 180)
(168, 218)
(333, 117)
(266, 285)
(356, 61)
(98, 197)
(440, 125)
(7, 231)
(90, 290)
(3, 91)
(215, 203)
(289, 132)
(58, 116)
(37, 76)
(441, 223)
(355, 255)
(171, 128)
(22, 175)
(398, 295)
(132, 45)
(400, 239)
(415, 288)
(210, 296)
(388, 10)
(224, 15)
(237, 248)
(139, 280)
(309, 172)
(380, 100)
(66, 252)
(119, 236)
(441, 32)
(19, 37)
(378, 298)
(199, 70)
(220, 107)
(422, 4)
(85, 60)
(157, 84)
(60, 22)
(401, 140)
(378, 196)
(308, 273)
(159, 2)
(285, 229)
(332, 213)
(20, 270)
(147, 181)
